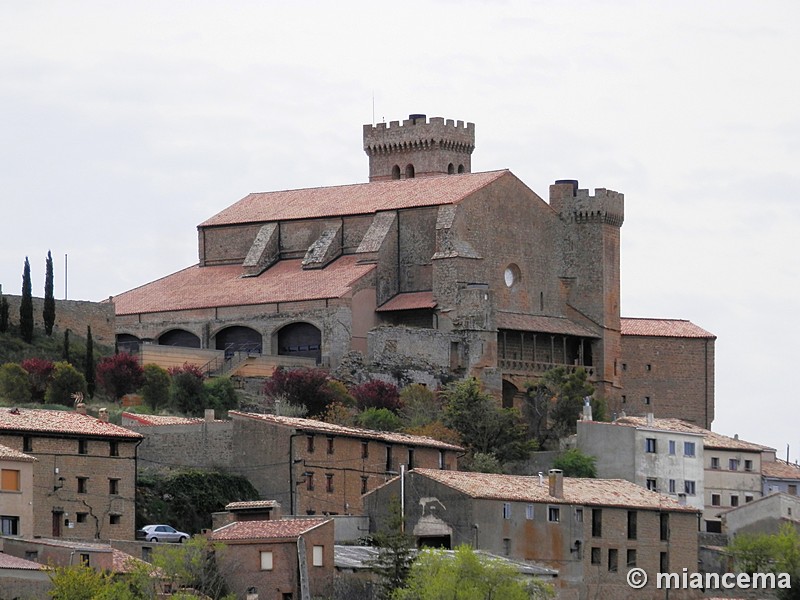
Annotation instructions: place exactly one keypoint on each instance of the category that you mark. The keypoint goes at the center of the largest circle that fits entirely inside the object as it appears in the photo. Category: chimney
(587, 409)
(682, 499)
(556, 480)
(102, 414)
(541, 478)
(209, 414)
(650, 420)
(80, 408)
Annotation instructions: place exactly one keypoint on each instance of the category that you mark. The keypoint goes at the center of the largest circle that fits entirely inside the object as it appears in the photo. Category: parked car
(161, 533)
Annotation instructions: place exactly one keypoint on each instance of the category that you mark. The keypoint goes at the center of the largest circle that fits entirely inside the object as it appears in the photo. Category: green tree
(187, 393)
(65, 381)
(379, 419)
(395, 550)
(558, 397)
(26, 305)
(485, 463)
(155, 389)
(89, 368)
(776, 553)
(3, 314)
(49, 311)
(466, 575)
(77, 582)
(14, 383)
(65, 353)
(420, 406)
(483, 426)
(221, 395)
(575, 463)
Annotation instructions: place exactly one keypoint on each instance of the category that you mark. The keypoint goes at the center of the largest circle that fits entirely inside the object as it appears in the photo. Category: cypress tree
(89, 369)
(3, 314)
(66, 345)
(49, 312)
(26, 305)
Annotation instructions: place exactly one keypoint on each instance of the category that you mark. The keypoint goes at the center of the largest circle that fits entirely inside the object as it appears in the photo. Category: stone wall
(206, 445)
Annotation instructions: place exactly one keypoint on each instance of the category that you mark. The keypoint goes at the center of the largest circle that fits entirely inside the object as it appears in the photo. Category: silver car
(161, 533)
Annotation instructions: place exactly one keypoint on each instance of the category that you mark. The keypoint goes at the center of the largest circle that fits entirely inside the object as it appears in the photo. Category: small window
(83, 484)
(85, 560)
(506, 510)
(715, 500)
(648, 367)
(596, 556)
(506, 546)
(597, 522)
(266, 561)
(688, 449)
(10, 480)
(553, 514)
(793, 489)
(32, 555)
(442, 463)
(624, 399)
(651, 484)
(317, 556)
(113, 448)
(310, 481)
(612, 560)
(113, 486)
(663, 562)
(631, 558)
(650, 445)
(114, 519)
(329, 482)
(664, 527)
(734, 500)
(310, 444)
(672, 447)
(647, 400)
(83, 447)
(396, 172)
(389, 458)
(364, 449)
(733, 464)
(689, 487)
(715, 462)
(9, 525)
(529, 512)
(409, 171)
(672, 486)
(410, 458)
(624, 366)
(81, 517)
(748, 465)
(749, 498)
(330, 445)
(27, 443)
(631, 524)
(364, 482)
(579, 515)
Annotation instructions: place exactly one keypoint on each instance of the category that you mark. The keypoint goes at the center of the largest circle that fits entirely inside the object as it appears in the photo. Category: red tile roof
(711, 439)
(408, 301)
(12, 562)
(121, 562)
(36, 420)
(7, 453)
(252, 504)
(331, 429)
(155, 420)
(522, 488)
(357, 199)
(780, 469)
(507, 320)
(266, 530)
(205, 287)
(663, 328)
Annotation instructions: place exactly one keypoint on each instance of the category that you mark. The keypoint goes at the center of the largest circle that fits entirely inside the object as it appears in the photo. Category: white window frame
(317, 556)
(267, 563)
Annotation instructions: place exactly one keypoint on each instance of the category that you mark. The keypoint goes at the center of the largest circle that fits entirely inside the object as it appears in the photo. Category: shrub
(420, 406)
(187, 393)
(65, 382)
(39, 373)
(155, 389)
(301, 387)
(379, 419)
(376, 394)
(221, 395)
(119, 374)
(14, 383)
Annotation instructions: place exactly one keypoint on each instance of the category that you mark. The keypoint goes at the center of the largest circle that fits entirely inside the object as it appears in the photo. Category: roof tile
(12, 562)
(408, 301)
(7, 453)
(266, 530)
(60, 421)
(780, 469)
(663, 328)
(711, 439)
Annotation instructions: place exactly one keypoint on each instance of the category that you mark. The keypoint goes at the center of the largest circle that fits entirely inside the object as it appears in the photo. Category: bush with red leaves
(119, 374)
(40, 371)
(376, 394)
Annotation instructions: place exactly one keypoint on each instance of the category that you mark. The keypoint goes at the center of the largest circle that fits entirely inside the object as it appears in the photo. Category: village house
(16, 492)
(425, 273)
(20, 578)
(779, 475)
(592, 531)
(84, 475)
(763, 516)
(278, 559)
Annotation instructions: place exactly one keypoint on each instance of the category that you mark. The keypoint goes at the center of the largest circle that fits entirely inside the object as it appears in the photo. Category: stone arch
(461, 168)
(127, 342)
(396, 172)
(179, 337)
(236, 338)
(300, 339)
(450, 169)
(409, 171)
(509, 393)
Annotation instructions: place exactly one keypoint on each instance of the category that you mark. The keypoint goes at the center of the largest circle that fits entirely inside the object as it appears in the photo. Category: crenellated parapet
(579, 206)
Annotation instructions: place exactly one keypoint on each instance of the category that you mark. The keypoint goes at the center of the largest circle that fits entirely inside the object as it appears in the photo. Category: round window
(511, 275)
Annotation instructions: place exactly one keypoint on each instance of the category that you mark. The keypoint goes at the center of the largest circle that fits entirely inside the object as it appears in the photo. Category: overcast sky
(124, 125)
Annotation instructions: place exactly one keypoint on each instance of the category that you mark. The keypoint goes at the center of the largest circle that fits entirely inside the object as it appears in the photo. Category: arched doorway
(238, 338)
(179, 337)
(128, 343)
(300, 339)
(509, 392)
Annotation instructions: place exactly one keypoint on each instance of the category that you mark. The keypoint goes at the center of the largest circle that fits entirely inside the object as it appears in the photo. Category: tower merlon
(419, 127)
(570, 202)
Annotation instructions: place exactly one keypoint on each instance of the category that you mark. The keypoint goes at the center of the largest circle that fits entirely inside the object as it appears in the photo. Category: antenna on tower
(373, 108)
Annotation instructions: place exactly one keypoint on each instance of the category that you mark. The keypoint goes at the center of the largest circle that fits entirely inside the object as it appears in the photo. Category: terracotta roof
(663, 328)
(507, 320)
(154, 420)
(331, 429)
(266, 530)
(121, 562)
(711, 439)
(252, 504)
(356, 199)
(204, 287)
(59, 421)
(522, 488)
(780, 469)
(408, 301)
(12, 562)
(7, 453)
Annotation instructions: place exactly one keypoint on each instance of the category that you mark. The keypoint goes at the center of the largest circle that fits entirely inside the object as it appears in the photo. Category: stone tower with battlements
(419, 147)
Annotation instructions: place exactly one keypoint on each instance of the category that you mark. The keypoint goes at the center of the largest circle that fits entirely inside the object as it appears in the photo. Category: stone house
(763, 516)
(84, 474)
(429, 271)
(16, 492)
(591, 530)
(63, 553)
(20, 578)
(666, 461)
(779, 475)
(277, 559)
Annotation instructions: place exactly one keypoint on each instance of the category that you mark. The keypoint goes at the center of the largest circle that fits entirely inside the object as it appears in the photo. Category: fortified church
(429, 272)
